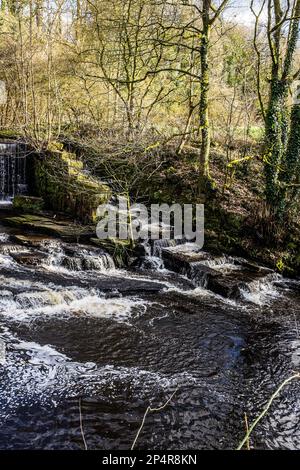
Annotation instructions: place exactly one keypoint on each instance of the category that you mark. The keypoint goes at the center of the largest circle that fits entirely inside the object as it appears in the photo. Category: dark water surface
(119, 340)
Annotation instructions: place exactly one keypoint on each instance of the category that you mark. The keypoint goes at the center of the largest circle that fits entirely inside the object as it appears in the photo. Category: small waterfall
(76, 258)
(224, 264)
(159, 245)
(55, 256)
(12, 172)
(152, 253)
(261, 291)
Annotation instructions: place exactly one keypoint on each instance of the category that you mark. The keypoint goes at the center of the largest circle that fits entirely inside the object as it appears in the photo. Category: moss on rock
(9, 134)
(28, 204)
(60, 179)
(64, 229)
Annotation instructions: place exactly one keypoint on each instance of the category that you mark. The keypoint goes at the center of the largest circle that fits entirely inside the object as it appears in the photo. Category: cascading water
(12, 172)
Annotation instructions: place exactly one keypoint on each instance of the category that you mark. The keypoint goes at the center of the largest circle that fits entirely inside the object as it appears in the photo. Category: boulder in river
(64, 229)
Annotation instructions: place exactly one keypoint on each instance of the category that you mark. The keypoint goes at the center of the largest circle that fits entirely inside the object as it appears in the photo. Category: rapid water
(12, 172)
(78, 330)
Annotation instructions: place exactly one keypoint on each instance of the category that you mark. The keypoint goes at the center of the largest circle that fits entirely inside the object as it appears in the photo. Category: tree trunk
(186, 130)
(291, 166)
(280, 149)
(39, 13)
(203, 107)
(276, 138)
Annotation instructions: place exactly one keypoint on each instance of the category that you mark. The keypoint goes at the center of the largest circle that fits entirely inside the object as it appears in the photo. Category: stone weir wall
(59, 178)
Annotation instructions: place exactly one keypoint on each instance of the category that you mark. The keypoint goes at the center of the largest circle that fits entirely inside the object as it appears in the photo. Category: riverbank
(236, 220)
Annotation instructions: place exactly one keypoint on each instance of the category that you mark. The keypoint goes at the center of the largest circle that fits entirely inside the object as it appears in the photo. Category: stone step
(29, 259)
(64, 229)
(224, 276)
(33, 240)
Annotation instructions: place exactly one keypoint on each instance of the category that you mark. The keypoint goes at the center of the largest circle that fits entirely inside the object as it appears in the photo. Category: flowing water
(12, 172)
(78, 330)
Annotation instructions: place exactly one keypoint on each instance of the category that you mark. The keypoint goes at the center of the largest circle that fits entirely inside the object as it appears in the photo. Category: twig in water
(81, 426)
(151, 410)
(247, 430)
(265, 410)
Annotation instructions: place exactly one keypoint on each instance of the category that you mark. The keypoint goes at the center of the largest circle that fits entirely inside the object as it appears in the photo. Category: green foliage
(238, 56)
(280, 265)
(9, 134)
(29, 204)
(55, 146)
(256, 133)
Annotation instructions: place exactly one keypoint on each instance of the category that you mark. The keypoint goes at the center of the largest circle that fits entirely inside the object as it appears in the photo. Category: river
(86, 339)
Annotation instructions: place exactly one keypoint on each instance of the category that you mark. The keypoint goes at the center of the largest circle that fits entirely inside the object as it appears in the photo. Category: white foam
(83, 259)
(23, 283)
(4, 237)
(262, 291)
(6, 202)
(222, 264)
(201, 292)
(36, 374)
(70, 301)
(10, 248)
(296, 351)
(182, 247)
(196, 292)
(41, 355)
(118, 309)
(155, 263)
(6, 260)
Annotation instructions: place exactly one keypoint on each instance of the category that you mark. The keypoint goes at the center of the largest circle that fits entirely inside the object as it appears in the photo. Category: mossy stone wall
(59, 178)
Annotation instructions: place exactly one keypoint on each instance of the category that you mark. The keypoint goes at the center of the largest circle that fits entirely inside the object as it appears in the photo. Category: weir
(12, 171)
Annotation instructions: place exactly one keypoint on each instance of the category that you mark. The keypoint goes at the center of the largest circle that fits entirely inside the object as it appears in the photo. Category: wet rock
(29, 204)
(8, 248)
(146, 262)
(188, 260)
(63, 229)
(250, 266)
(29, 259)
(76, 192)
(291, 284)
(108, 285)
(34, 241)
(224, 285)
(176, 259)
(225, 277)
(120, 250)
